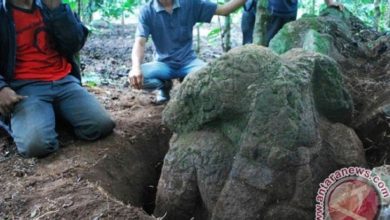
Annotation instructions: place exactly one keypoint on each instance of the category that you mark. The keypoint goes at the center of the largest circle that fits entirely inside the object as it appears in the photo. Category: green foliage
(116, 8)
(364, 9)
(72, 3)
(112, 9)
(214, 34)
(108, 8)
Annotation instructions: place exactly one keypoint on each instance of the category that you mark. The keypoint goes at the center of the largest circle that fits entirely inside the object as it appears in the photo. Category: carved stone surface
(255, 134)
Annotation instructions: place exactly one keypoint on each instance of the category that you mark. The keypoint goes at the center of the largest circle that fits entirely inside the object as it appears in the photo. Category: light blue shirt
(172, 33)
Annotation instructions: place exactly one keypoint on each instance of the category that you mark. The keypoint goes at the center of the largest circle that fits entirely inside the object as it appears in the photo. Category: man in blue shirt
(281, 12)
(170, 24)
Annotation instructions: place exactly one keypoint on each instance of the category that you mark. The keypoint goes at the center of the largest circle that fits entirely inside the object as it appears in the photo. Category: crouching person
(40, 78)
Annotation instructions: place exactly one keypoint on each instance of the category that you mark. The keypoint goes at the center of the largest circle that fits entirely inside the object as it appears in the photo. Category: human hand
(337, 5)
(8, 99)
(52, 4)
(136, 78)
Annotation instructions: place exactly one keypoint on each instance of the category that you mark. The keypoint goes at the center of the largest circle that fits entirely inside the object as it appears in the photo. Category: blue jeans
(248, 23)
(156, 74)
(33, 119)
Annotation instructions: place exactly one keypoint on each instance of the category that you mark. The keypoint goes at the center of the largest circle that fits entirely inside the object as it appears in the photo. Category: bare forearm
(329, 2)
(52, 4)
(333, 3)
(135, 75)
(137, 55)
(229, 7)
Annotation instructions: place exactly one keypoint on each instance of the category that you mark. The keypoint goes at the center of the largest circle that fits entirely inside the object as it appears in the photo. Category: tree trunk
(89, 12)
(388, 14)
(227, 34)
(123, 18)
(79, 7)
(377, 4)
(262, 17)
(313, 7)
(197, 39)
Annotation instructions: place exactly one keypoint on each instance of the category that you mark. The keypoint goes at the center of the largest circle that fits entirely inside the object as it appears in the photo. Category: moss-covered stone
(291, 35)
(250, 136)
(331, 98)
(316, 42)
(313, 33)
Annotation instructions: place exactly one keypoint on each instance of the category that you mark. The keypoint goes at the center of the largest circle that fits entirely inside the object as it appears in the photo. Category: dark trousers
(274, 25)
(247, 25)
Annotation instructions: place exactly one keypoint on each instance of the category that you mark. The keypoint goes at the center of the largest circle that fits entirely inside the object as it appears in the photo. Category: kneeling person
(40, 78)
(170, 23)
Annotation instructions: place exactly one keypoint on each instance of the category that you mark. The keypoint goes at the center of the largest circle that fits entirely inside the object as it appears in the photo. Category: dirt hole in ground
(131, 174)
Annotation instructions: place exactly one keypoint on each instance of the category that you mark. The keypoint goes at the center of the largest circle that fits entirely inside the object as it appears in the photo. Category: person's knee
(152, 84)
(97, 127)
(154, 74)
(36, 144)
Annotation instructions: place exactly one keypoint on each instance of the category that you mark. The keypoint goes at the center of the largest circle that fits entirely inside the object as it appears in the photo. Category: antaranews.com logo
(350, 193)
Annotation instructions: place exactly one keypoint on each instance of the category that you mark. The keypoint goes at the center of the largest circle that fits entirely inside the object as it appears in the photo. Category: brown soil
(367, 75)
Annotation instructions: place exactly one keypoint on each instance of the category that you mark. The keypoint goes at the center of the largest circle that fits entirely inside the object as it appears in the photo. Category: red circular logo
(353, 199)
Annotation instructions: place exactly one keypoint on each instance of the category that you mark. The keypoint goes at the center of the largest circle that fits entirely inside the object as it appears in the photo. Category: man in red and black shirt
(40, 78)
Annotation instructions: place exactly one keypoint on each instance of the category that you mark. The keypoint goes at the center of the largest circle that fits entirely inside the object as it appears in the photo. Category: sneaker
(167, 85)
(162, 97)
